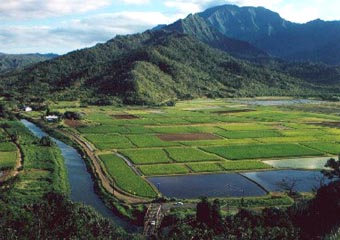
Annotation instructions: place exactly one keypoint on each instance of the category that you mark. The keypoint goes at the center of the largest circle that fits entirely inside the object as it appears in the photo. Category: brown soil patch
(187, 136)
(281, 127)
(125, 116)
(326, 124)
(73, 123)
(234, 111)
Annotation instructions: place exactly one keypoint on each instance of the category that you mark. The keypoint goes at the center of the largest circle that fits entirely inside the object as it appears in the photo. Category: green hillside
(149, 68)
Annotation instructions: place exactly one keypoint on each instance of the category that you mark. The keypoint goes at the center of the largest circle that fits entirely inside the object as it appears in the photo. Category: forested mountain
(196, 26)
(150, 68)
(10, 62)
(317, 41)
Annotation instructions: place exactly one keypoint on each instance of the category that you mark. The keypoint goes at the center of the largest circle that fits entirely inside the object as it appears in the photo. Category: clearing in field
(188, 136)
(73, 123)
(234, 111)
(125, 116)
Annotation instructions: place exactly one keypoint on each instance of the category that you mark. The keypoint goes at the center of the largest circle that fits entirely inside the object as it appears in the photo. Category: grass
(245, 127)
(150, 141)
(145, 156)
(163, 169)
(190, 155)
(109, 141)
(303, 132)
(249, 134)
(333, 148)
(244, 165)
(7, 147)
(175, 129)
(43, 167)
(295, 139)
(238, 152)
(7, 160)
(126, 178)
(205, 167)
(102, 129)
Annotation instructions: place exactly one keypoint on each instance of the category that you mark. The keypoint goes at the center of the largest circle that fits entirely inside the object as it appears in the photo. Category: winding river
(80, 179)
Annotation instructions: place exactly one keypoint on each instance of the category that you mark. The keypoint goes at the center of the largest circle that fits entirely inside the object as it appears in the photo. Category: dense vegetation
(269, 32)
(56, 217)
(154, 67)
(9, 62)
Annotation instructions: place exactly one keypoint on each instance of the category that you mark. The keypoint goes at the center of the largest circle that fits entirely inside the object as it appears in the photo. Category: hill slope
(196, 26)
(149, 68)
(317, 41)
(9, 62)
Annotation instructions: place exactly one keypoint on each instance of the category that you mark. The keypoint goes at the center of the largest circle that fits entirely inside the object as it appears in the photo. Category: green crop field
(205, 167)
(190, 155)
(150, 141)
(109, 141)
(7, 160)
(7, 147)
(244, 165)
(163, 169)
(333, 148)
(249, 134)
(125, 178)
(205, 136)
(145, 156)
(262, 151)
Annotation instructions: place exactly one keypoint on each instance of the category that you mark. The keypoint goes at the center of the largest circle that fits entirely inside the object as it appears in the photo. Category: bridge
(153, 219)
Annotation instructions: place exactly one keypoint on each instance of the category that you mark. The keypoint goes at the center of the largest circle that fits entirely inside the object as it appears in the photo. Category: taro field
(206, 136)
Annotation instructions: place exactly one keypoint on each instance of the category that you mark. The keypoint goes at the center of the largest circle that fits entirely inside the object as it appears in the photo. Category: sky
(60, 26)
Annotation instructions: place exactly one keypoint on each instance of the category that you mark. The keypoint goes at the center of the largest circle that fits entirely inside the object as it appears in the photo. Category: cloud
(193, 6)
(37, 9)
(76, 34)
(137, 2)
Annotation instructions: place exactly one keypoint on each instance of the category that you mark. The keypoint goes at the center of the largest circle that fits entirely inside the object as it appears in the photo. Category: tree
(288, 185)
(203, 211)
(334, 168)
(46, 141)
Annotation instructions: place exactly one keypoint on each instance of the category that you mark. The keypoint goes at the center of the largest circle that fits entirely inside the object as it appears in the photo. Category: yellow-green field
(204, 136)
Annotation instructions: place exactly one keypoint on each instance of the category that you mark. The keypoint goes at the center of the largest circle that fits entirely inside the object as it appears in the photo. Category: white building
(27, 109)
(51, 118)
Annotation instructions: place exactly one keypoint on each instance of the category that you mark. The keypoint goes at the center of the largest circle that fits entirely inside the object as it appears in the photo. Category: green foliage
(154, 67)
(249, 134)
(43, 168)
(163, 169)
(145, 156)
(7, 147)
(205, 167)
(125, 177)
(54, 216)
(190, 155)
(239, 152)
(150, 141)
(109, 141)
(8, 160)
(244, 165)
(46, 141)
(333, 148)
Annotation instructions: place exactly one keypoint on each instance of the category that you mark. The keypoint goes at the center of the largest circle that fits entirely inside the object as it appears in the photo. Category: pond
(82, 186)
(211, 185)
(305, 181)
(237, 185)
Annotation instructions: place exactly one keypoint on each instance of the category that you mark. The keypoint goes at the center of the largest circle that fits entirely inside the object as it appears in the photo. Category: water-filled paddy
(211, 185)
